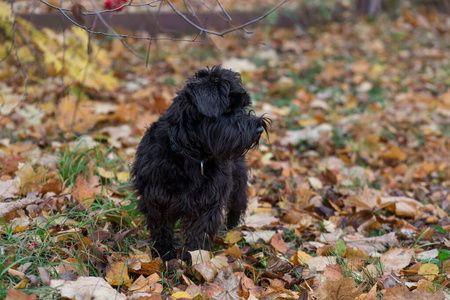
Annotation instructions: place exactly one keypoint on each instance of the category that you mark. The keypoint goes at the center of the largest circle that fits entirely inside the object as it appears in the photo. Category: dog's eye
(229, 110)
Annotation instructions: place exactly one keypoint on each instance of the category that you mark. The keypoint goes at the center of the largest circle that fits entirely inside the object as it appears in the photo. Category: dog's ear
(209, 92)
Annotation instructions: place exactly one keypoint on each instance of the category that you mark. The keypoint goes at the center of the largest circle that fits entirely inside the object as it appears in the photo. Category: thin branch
(221, 34)
(223, 10)
(22, 69)
(112, 34)
(122, 40)
(103, 11)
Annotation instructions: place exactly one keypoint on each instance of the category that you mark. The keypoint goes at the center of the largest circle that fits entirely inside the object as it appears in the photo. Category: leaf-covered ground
(349, 200)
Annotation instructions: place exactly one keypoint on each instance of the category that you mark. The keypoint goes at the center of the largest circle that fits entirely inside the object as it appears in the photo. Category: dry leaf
(233, 237)
(429, 271)
(14, 294)
(396, 259)
(93, 288)
(83, 192)
(344, 289)
(117, 274)
(333, 273)
(320, 263)
(8, 189)
(278, 243)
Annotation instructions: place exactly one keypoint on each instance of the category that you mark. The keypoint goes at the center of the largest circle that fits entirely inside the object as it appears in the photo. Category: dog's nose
(259, 130)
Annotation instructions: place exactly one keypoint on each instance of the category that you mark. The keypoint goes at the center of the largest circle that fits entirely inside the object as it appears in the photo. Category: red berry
(112, 4)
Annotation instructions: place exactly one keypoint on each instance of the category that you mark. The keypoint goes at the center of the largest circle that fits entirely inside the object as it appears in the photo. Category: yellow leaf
(75, 115)
(303, 256)
(263, 208)
(179, 295)
(123, 177)
(394, 153)
(233, 237)
(308, 122)
(105, 174)
(117, 274)
(429, 271)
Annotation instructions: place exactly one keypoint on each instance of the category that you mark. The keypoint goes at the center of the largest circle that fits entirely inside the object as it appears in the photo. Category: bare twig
(122, 40)
(223, 10)
(221, 34)
(63, 12)
(102, 11)
(202, 29)
(22, 69)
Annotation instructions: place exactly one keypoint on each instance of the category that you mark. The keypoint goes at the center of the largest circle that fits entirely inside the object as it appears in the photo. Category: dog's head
(214, 112)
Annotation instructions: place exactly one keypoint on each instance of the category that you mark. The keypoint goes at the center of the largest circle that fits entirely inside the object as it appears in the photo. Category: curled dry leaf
(403, 206)
(9, 207)
(93, 288)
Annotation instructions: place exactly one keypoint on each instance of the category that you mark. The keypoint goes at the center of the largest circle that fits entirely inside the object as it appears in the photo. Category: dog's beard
(230, 137)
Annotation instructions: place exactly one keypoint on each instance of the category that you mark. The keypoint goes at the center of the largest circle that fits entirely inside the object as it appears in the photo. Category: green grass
(44, 243)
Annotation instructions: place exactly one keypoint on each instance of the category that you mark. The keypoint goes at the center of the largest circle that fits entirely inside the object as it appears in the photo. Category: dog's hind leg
(237, 202)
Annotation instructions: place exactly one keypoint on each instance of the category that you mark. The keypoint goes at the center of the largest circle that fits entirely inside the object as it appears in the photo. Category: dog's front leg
(201, 228)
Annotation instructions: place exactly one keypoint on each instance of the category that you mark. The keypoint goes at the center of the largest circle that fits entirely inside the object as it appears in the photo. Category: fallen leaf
(234, 251)
(83, 192)
(344, 288)
(117, 274)
(8, 189)
(320, 263)
(429, 271)
(404, 206)
(14, 294)
(179, 295)
(233, 237)
(333, 273)
(93, 288)
(278, 243)
(254, 237)
(396, 259)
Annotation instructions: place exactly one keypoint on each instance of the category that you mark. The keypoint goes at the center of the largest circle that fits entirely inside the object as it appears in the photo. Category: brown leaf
(278, 243)
(230, 283)
(396, 259)
(14, 294)
(83, 192)
(77, 10)
(333, 272)
(404, 206)
(343, 289)
(6, 208)
(234, 251)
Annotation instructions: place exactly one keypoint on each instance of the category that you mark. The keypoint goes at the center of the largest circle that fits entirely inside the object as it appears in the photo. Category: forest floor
(349, 199)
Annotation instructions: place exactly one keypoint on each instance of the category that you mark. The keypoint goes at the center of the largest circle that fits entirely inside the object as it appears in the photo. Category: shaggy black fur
(190, 164)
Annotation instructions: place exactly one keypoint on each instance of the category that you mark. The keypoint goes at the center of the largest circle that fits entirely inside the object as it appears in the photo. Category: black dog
(190, 164)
